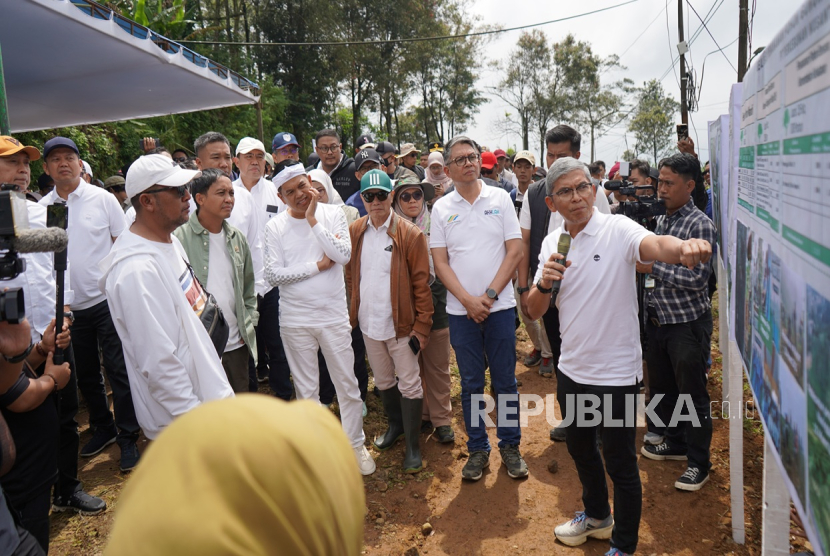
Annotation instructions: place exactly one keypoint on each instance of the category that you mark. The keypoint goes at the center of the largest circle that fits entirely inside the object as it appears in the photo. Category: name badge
(272, 209)
(649, 285)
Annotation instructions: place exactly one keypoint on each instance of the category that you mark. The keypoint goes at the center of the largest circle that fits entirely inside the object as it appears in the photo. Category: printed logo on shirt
(491, 211)
(596, 257)
(453, 218)
(194, 294)
(388, 248)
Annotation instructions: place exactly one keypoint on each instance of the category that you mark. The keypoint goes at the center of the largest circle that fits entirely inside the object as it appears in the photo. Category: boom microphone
(39, 240)
(563, 246)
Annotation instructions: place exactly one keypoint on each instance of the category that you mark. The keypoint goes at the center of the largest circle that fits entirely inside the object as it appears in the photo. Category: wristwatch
(542, 288)
(69, 315)
(20, 357)
(493, 294)
(522, 290)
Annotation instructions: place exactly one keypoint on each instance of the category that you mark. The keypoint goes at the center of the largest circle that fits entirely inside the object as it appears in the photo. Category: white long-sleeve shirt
(266, 204)
(308, 297)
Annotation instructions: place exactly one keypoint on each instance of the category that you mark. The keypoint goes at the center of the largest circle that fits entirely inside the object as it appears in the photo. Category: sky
(638, 33)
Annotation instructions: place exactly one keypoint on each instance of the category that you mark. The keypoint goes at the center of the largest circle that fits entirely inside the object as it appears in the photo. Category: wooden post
(743, 27)
(684, 104)
(775, 520)
(5, 126)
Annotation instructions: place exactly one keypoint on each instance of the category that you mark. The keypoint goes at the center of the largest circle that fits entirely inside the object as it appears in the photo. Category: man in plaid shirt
(679, 326)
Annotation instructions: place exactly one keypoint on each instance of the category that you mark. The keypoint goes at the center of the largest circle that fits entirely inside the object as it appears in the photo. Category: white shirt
(245, 218)
(474, 236)
(171, 362)
(598, 323)
(309, 298)
(95, 217)
(509, 177)
(375, 311)
(220, 284)
(267, 200)
(38, 280)
(601, 202)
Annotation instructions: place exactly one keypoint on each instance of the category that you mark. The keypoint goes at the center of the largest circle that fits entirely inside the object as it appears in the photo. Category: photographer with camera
(679, 325)
(37, 284)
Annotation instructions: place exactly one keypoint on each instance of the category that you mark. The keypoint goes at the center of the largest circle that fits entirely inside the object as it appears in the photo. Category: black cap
(363, 140)
(654, 173)
(385, 147)
(366, 155)
(57, 142)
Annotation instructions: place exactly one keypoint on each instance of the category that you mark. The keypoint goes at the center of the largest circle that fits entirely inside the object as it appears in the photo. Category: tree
(652, 120)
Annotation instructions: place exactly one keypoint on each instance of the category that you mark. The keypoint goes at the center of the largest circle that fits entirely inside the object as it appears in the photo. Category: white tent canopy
(75, 62)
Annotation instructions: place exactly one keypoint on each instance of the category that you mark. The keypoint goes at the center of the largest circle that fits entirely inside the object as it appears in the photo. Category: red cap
(488, 160)
(614, 169)
(500, 153)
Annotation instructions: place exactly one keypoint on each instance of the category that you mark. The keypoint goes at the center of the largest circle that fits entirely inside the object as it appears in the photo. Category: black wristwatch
(522, 290)
(22, 356)
(493, 294)
(542, 288)
(69, 315)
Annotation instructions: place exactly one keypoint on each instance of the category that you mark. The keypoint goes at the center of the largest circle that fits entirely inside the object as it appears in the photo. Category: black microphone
(563, 246)
(39, 240)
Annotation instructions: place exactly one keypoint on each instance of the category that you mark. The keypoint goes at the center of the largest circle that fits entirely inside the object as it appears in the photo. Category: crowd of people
(193, 277)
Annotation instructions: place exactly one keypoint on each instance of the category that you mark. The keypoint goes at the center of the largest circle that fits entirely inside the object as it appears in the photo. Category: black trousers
(360, 370)
(676, 358)
(94, 326)
(34, 516)
(68, 481)
(551, 320)
(619, 451)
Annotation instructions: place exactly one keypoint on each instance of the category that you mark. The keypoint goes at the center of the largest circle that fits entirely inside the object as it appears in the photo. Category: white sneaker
(577, 531)
(364, 461)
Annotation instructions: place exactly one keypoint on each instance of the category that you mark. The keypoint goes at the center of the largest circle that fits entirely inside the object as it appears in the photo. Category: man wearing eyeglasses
(597, 359)
(476, 245)
(156, 301)
(335, 163)
(180, 156)
(115, 185)
(284, 147)
(388, 279)
(95, 220)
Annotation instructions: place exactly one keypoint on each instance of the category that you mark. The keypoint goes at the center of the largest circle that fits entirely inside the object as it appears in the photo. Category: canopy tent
(73, 62)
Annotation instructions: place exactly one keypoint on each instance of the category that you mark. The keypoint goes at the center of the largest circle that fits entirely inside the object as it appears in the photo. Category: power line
(668, 34)
(694, 36)
(410, 39)
(710, 34)
(640, 36)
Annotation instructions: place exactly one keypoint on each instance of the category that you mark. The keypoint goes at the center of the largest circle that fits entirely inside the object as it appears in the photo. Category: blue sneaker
(616, 552)
(577, 530)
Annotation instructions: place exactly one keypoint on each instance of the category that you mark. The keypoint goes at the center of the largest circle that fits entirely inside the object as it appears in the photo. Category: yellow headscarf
(245, 475)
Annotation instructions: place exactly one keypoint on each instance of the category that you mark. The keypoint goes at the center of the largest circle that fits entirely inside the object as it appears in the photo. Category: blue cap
(282, 139)
(375, 179)
(57, 142)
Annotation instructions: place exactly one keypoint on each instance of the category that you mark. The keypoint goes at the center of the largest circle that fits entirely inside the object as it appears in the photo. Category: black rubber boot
(411, 410)
(392, 407)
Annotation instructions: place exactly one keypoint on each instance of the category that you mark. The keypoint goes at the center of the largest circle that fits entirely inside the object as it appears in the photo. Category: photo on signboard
(793, 309)
(793, 425)
(743, 292)
(762, 382)
(818, 346)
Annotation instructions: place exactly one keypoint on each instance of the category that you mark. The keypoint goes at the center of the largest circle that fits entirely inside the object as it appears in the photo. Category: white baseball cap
(156, 169)
(248, 144)
(87, 168)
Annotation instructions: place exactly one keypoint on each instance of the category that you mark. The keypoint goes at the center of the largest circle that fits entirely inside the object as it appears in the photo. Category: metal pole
(743, 26)
(5, 126)
(684, 106)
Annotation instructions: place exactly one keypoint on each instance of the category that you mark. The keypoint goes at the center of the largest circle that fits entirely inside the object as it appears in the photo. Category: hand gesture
(553, 269)
(48, 340)
(687, 146)
(313, 196)
(60, 373)
(694, 251)
(149, 144)
(325, 263)
(478, 308)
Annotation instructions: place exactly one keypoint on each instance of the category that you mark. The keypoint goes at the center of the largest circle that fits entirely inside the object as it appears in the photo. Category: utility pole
(684, 105)
(5, 127)
(743, 26)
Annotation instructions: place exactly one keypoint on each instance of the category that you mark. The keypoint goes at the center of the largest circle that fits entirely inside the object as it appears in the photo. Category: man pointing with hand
(598, 357)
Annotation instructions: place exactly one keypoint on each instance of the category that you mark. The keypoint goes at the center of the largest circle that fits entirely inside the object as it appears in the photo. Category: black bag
(212, 318)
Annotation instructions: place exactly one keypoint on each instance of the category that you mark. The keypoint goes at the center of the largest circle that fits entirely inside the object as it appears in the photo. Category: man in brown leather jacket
(388, 281)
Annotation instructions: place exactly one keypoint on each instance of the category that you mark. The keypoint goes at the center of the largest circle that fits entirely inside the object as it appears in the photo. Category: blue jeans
(496, 337)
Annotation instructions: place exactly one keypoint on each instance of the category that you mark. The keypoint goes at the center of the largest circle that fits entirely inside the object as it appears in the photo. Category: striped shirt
(679, 294)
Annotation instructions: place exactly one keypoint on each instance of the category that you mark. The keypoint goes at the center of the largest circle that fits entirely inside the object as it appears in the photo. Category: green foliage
(652, 120)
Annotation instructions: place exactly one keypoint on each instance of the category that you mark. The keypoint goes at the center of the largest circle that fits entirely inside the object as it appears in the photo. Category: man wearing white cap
(87, 172)
(305, 250)
(250, 159)
(155, 301)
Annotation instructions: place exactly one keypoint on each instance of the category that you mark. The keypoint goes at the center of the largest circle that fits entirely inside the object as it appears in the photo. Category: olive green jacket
(196, 242)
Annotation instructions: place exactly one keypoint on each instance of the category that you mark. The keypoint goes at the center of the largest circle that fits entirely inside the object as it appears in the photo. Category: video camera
(15, 238)
(643, 207)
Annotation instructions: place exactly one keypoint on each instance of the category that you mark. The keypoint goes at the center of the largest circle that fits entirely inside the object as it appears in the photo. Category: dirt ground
(435, 512)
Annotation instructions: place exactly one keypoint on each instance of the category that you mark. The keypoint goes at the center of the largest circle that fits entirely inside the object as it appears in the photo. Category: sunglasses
(181, 190)
(288, 150)
(415, 195)
(180, 159)
(369, 196)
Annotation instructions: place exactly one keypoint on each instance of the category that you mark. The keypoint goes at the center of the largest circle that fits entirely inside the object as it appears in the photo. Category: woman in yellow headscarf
(245, 475)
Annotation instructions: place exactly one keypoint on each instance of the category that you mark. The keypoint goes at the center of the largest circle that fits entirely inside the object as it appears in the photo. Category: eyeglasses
(332, 149)
(463, 160)
(291, 150)
(415, 195)
(181, 190)
(388, 161)
(567, 193)
(369, 196)
(180, 159)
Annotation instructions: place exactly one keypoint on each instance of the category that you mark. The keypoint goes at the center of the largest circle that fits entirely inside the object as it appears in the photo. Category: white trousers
(336, 344)
(394, 356)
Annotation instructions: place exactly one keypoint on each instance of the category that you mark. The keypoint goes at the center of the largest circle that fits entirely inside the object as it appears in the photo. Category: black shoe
(444, 434)
(663, 452)
(693, 479)
(81, 502)
(474, 467)
(101, 438)
(512, 460)
(129, 456)
(559, 434)
(261, 378)
(426, 427)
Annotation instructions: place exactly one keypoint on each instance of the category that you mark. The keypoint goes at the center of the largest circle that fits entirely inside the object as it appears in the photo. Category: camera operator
(37, 283)
(679, 325)
(30, 410)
